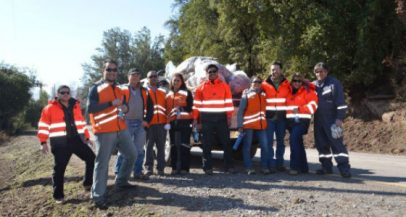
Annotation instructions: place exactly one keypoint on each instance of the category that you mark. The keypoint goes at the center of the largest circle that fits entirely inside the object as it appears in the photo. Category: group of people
(129, 117)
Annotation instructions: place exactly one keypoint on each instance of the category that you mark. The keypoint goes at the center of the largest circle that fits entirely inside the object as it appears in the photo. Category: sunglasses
(212, 71)
(111, 69)
(257, 81)
(64, 92)
(297, 81)
(153, 76)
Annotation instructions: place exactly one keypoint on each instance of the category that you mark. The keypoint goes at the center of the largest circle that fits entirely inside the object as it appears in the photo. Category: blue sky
(54, 37)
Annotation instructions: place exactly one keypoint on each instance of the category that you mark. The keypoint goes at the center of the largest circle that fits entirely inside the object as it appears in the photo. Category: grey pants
(105, 144)
(156, 135)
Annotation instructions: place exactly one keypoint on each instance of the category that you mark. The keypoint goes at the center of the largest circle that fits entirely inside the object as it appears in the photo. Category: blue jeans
(261, 135)
(138, 136)
(298, 160)
(105, 144)
(277, 127)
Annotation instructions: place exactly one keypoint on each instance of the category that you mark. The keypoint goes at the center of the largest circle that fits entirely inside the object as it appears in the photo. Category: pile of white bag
(193, 70)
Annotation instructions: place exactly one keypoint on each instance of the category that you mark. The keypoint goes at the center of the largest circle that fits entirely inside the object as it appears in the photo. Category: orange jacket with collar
(254, 114)
(179, 100)
(159, 103)
(275, 98)
(213, 98)
(305, 100)
(103, 115)
(52, 123)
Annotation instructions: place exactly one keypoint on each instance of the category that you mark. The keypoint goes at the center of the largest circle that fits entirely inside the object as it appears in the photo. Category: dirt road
(378, 188)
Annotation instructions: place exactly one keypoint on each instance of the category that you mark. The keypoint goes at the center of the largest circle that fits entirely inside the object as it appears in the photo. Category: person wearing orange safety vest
(213, 107)
(156, 134)
(137, 118)
(179, 102)
(62, 122)
(106, 107)
(302, 104)
(277, 88)
(251, 119)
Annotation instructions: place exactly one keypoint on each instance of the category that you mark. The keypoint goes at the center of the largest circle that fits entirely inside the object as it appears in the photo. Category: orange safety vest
(213, 97)
(254, 114)
(305, 100)
(276, 99)
(177, 99)
(107, 120)
(127, 93)
(52, 123)
(159, 101)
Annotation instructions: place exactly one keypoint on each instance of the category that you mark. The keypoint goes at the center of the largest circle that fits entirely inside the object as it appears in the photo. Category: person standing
(277, 88)
(140, 111)
(251, 119)
(62, 122)
(330, 113)
(302, 104)
(105, 108)
(156, 134)
(179, 103)
(213, 106)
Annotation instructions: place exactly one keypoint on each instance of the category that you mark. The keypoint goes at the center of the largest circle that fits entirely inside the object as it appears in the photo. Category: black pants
(62, 154)
(180, 148)
(211, 130)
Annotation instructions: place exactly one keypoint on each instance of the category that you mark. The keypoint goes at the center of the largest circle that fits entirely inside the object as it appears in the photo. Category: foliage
(15, 95)
(34, 108)
(352, 36)
(130, 51)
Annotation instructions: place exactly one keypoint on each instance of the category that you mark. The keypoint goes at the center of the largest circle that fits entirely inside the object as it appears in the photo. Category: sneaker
(345, 174)
(324, 171)
(208, 172)
(141, 177)
(149, 173)
(175, 172)
(293, 172)
(281, 168)
(59, 200)
(266, 171)
(87, 187)
(126, 186)
(230, 171)
(102, 204)
(272, 170)
(250, 172)
(161, 173)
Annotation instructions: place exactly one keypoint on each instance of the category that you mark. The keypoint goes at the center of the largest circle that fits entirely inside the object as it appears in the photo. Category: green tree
(15, 95)
(34, 108)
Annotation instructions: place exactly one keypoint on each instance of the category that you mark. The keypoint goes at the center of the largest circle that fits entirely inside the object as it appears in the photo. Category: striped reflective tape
(342, 107)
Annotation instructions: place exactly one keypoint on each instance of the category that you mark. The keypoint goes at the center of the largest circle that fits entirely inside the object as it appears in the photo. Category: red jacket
(213, 97)
(305, 100)
(178, 99)
(276, 99)
(105, 120)
(52, 123)
(159, 101)
(254, 114)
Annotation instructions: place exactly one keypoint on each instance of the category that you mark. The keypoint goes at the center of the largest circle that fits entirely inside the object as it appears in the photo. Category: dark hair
(212, 66)
(183, 85)
(62, 87)
(323, 66)
(277, 62)
(298, 76)
(256, 77)
(133, 70)
(110, 61)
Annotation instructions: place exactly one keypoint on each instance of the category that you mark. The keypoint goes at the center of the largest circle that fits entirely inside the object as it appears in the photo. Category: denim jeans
(105, 144)
(277, 127)
(261, 135)
(138, 136)
(298, 160)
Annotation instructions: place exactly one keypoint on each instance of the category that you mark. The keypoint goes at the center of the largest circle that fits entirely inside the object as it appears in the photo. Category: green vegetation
(354, 37)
